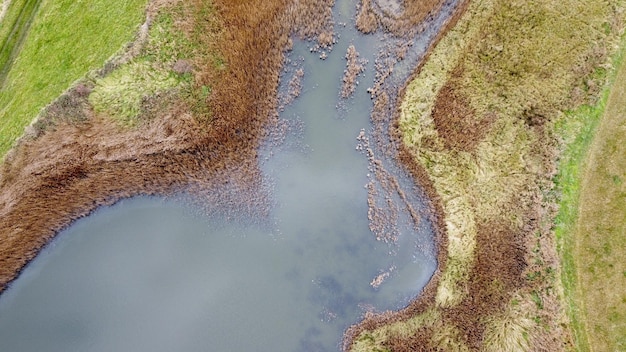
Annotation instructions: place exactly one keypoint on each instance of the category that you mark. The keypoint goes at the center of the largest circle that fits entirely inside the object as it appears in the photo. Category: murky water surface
(151, 274)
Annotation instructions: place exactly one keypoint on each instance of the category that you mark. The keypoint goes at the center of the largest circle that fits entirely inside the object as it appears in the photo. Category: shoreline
(82, 170)
(32, 179)
(426, 297)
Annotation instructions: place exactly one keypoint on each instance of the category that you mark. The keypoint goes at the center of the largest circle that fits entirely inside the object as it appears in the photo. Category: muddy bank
(386, 110)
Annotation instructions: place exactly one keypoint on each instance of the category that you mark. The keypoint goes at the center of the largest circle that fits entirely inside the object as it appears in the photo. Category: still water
(154, 274)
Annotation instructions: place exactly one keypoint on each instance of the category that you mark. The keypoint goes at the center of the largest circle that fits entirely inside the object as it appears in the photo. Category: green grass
(582, 124)
(13, 31)
(579, 129)
(121, 93)
(151, 78)
(67, 39)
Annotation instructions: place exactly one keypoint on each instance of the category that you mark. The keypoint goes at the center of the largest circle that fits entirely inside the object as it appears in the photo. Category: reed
(478, 120)
(200, 139)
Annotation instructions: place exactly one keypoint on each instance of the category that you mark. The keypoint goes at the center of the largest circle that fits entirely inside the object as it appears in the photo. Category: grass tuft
(510, 331)
(120, 94)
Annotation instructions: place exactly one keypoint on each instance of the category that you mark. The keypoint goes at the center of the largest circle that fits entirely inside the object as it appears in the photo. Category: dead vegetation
(455, 120)
(476, 124)
(401, 18)
(76, 161)
(354, 67)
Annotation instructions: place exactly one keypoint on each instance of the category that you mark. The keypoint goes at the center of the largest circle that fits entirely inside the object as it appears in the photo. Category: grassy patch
(514, 67)
(14, 30)
(120, 94)
(590, 224)
(578, 129)
(66, 39)
(161, 67)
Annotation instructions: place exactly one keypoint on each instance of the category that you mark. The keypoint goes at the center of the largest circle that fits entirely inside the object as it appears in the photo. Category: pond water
(154, 274)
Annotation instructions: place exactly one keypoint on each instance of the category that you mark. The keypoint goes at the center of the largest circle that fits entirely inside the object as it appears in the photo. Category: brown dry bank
(64, 171)
(477, 127)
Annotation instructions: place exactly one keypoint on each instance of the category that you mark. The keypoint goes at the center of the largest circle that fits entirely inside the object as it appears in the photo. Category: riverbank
(479, 121)
(64, 168)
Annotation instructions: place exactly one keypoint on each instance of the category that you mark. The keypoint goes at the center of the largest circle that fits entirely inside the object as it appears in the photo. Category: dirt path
(600, 246)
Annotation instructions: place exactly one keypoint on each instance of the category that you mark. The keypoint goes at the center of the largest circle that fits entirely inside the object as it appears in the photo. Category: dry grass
(478, 118)
(400, 20)
(68, 167)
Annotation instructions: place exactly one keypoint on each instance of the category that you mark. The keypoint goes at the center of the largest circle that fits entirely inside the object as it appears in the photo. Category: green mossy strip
(66, 39)
(579, 129)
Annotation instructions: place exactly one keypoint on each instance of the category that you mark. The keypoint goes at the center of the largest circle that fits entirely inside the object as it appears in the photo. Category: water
(153, 274)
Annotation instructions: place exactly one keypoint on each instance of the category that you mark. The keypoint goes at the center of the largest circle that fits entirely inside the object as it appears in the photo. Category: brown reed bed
(503, 293)
(354, 67)
(76, 161)
(401, 18)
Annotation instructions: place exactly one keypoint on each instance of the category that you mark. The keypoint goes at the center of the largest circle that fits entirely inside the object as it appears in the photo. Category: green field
(591, 224)
(66, 39)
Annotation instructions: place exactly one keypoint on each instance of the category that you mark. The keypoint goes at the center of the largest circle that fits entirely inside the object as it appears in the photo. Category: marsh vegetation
(479, 118)
(479, 125)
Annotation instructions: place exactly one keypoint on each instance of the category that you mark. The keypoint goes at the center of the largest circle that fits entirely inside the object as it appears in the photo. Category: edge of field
(45, 56)
(585, 189)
